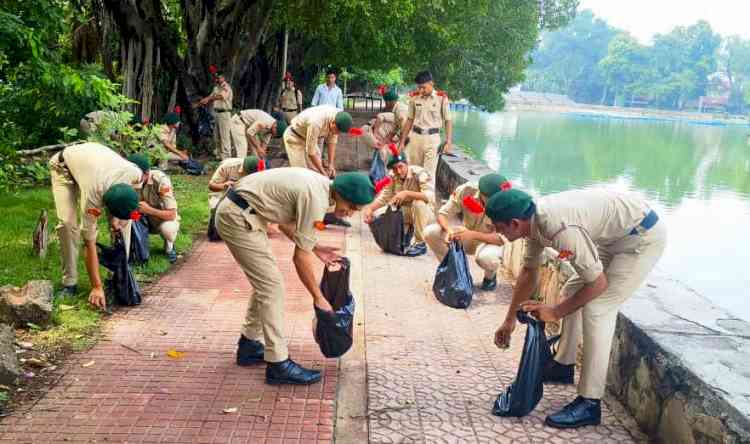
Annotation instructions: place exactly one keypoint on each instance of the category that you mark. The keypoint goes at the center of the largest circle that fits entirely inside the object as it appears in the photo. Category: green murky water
(696, 176)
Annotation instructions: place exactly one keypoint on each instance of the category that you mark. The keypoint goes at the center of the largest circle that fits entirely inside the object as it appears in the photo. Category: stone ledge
(679, 364)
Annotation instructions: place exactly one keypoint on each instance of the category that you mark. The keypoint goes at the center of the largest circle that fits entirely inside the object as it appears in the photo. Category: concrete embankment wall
(680, 364)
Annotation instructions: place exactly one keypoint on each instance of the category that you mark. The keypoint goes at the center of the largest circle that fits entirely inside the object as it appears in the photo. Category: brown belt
(424, 131)
(289, 110)
(296, 133)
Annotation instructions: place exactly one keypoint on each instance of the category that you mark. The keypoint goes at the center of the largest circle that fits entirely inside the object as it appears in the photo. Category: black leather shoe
(249, 351)
(579, 413)
(331, 219)
(557, 373)
(66, 291)
(289, 372)
(489, 284)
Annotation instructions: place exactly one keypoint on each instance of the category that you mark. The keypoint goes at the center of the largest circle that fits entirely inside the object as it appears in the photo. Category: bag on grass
(453, 285)
(388, 231)
(333, 330)
(122, 286)
(377, 167)
(192, 167)
(522, 396)
(205, 122)
(213, 233)
(139, 247)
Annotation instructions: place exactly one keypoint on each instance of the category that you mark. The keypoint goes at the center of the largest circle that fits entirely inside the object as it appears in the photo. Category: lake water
(696, 176)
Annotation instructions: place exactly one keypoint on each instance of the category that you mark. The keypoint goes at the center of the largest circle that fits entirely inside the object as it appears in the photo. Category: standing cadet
(98, 178)
(290, 99)
(411, 189)
(301, 137)
(168, 138)
(221, 101)
(297, 199)
(477, 233)
(158, 204)
(255, 127)
(429, 111)
(612, 241)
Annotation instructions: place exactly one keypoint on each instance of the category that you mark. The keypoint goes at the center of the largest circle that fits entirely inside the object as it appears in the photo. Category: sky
(644, 18)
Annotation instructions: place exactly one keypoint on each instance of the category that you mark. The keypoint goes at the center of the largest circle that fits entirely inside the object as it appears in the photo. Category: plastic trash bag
(453, 285)
(213, 233)
(333, 330)
(192, 167)
(522, 396)
(377, 167)
(388, 231)
(122, 286)
(205, 122)
(139, 247)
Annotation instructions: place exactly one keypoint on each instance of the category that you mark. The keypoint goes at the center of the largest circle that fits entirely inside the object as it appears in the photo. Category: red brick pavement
(133, 392)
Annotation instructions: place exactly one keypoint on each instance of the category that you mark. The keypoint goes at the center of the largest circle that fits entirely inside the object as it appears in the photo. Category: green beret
(511, 204)
(489, 184)
(280, 127)
(390, 96)
(250, 164)
(171, 119)
(343, 121)
(121, 200)
(141, 160)
(393, 160)
(354, 187)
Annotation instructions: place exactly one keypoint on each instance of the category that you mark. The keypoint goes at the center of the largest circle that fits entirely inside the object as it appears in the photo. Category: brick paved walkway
(133, 392)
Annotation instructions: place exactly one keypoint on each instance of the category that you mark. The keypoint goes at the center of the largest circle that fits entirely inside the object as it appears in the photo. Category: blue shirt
(328, 96)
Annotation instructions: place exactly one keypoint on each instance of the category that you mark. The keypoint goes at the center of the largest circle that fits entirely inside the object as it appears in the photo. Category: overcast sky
(644, 18)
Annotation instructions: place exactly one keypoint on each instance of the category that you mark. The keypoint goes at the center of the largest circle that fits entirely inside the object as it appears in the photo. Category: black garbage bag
(139, 247)
(333, 330)
(192, 167)
(205, 122)
(522, 396)
(388, 231)
(213, 233)
(453, 285)
(377, 167)
(122, 287)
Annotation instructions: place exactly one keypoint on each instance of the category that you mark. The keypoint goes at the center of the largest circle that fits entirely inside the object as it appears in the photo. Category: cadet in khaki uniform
(168, 137)
(255, 127)
(97, 177)
(410, 188)
(221, 101)
(229, 172)
(477, 233)
(429, 111)
(296, 199)
(386, 126)
(301, 137)
(158, 204)
(613, 241)
(290, 99)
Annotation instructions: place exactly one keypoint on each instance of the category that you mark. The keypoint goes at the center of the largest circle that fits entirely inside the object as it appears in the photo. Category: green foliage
(15, 174)
(116, 131)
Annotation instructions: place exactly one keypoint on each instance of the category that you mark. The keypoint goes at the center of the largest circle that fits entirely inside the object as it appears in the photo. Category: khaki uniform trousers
(626, 264)
(289, 115)
(248, 242)
(419, 215)
(239, 139)
(488, 256)
(295, 150)
(167, 229)
(422, 151)
(224, 134)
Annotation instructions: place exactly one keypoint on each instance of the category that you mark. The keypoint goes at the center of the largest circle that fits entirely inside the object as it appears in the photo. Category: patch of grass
(75, 326)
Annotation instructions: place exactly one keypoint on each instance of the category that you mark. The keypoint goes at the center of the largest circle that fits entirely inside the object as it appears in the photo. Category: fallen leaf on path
(174, 354)
(88, 364)
(229, 410)
(162, 332)
(64, 307)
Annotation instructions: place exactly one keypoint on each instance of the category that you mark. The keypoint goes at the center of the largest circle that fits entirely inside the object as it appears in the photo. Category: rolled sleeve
(532, 253)
(166, 195)
(90, 204)
(412, 110)
(308, 213)
(453, 206)
(446, 110)
(220, 175)
(581, 251)
(311, 140)
(386, 194)
(425, 186)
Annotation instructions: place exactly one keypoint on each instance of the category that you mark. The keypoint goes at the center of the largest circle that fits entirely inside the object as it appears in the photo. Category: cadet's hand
(447, 236)
(96, 297)
(541, 311)
(368, 216)
(447, 148)
(144, 207)
(331, 171)
(326, 254)
(400, 198)
(183, 154)
(228, 184)
(503, 333)
(462, 234)
(261, 151)
(322, 304)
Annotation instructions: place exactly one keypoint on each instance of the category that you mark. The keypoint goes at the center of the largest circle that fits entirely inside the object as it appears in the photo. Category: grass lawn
(76, 323)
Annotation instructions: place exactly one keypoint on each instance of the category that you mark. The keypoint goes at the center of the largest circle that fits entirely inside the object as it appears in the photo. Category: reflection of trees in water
(667, 160)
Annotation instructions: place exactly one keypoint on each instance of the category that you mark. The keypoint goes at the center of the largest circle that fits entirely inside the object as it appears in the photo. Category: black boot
(579, 413)
(249, 351)
(489, 284)
(66, 291)
(331, 219)
(289, 372)
(557, 373)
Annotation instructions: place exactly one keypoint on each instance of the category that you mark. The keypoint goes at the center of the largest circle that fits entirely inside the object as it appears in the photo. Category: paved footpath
(419, 372)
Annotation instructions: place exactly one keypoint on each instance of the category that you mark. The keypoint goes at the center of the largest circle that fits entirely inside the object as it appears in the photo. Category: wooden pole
(286, 46)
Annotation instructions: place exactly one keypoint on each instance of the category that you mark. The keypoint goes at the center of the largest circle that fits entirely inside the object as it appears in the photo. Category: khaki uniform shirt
(95, 168)
(429, 112)
(417, 179)
(168, 135)
(287, 101)
(225, 91)
(455, 206)
(158, 191)
(400, 114)
(314, 123)
(258, 124)
(577, 223)
(289, 196)
(228, 169)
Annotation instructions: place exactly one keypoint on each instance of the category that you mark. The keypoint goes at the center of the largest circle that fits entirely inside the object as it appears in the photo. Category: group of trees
(62, 58)
(592, 62)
